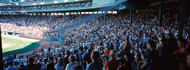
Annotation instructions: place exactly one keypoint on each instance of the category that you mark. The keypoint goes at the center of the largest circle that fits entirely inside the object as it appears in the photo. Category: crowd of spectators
(113, 45)
(33, 1)
(47, 7)
(36, 26)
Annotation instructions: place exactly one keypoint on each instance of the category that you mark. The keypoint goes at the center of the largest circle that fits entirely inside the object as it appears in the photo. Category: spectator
(86, 58)
(11, 66)
(50, 65)
(43, 65)
(171, 43)
(112, 64)
(80, 53)
(152, 60)
(31, 65)
(181, 53)
(65, 59)
(59, 65)
(73, 64)
(95, 65)
(169, 49)
(188, 62)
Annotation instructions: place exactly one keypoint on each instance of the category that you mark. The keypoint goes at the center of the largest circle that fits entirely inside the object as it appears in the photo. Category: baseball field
(18, 45)
(24, 46)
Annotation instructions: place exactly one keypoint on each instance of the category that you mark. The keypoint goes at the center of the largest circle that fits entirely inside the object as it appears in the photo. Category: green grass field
(17, 46)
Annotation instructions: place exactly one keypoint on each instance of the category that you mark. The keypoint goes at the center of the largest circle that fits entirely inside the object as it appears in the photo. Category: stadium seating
(108, 42)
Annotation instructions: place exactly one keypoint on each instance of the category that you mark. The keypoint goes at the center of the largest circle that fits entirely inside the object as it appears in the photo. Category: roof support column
(160, 12)
(50, 17)
(37, 16)
(25, 18)
(1, 53)
(80, 17)
(105, 19)
(131, 16)
(183, 15)
(63, 16)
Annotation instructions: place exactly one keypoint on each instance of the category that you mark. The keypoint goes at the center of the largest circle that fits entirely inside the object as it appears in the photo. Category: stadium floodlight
(82, 12)
(78, 12)
(52, 14)
(86, 12)
(42, 2)
(100, 12)
(34, 14)
(67, 13)
(55, 1)
(34, 3)
(109, 12)
(76, 0)
(17, 3)
(103, 11)
(95, 12)
(22, 0)
(43, 14)
(59, 14)
(90, 13)
(65, 0)
(75, 13)
(114, 12)
(55, 14)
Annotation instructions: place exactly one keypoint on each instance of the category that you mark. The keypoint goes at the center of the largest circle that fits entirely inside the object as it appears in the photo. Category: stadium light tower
(1, 53)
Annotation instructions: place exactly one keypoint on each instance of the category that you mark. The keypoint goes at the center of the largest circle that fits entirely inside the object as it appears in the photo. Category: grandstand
(95, 34)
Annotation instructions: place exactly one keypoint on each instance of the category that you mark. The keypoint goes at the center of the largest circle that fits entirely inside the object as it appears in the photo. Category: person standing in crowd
(11, 66)
(86, 58)
(138, 61)
(65, 59)
(188, 53)
(188, 43)
(50, 65)
(112, 64)
(152, 60)
(73, 64)
(188, 62)
(171, 43)
(31, 65)
(95, 64)
(181, 53)
(129, 58)
(170, 62)
(43, 65)
(181, 44)
(59, 65)
(80, 53)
